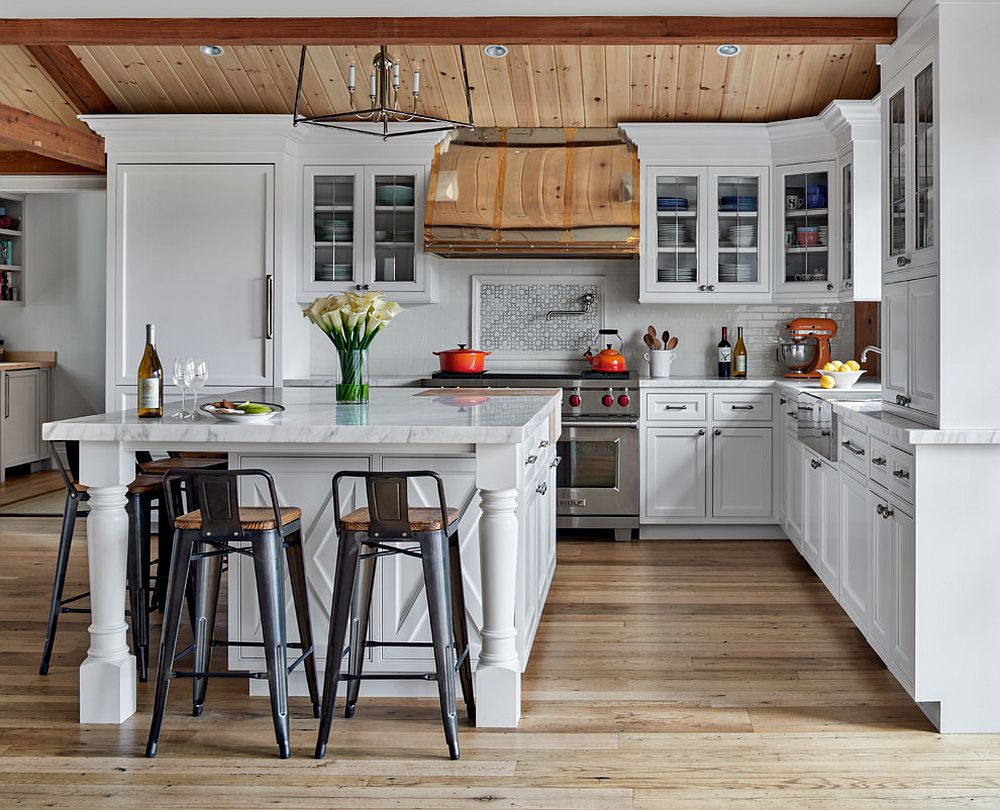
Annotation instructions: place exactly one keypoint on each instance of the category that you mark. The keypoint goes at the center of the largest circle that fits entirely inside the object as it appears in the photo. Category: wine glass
(199, 377)
(187, 381)
(178, 377)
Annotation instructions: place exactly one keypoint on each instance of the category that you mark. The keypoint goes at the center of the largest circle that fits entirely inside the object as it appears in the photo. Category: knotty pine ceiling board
(535, 85)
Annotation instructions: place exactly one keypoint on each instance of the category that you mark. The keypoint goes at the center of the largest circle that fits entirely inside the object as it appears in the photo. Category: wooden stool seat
(140, 486)
(159, 466)
(422, 519)
(252, 518)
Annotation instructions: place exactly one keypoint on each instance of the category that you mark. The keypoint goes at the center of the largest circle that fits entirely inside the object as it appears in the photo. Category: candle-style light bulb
(416, 81)
(351, 76)
(371, 84)
(395, 75)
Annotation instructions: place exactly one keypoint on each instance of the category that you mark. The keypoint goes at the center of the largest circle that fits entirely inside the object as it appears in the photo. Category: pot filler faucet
(866, 349)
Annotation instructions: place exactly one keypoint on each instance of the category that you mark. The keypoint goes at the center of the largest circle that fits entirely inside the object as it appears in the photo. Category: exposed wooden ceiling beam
(662, 30)
(33, 133)
(69, 74)
(21, 162)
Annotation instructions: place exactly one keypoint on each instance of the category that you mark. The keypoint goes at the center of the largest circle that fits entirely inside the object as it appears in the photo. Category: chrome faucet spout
(866, 349)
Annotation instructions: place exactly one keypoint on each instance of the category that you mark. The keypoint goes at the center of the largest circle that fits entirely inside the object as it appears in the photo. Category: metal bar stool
(142, 495)
(376, 531)
(202, 538)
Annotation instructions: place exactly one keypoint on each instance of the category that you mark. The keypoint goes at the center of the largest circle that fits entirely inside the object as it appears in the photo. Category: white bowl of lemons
(840, 375)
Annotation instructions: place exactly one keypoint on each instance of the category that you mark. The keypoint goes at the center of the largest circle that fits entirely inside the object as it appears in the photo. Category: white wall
(405, 346)
(65, 288)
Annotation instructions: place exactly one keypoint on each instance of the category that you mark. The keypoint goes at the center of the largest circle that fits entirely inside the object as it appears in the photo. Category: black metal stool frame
(440, 554)
(197, 554)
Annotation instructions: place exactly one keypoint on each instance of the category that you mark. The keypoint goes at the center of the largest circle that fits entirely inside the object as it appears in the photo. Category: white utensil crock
(660, 361)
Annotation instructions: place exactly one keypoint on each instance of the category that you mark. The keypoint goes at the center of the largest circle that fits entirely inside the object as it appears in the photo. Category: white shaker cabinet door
(675, 481)
(883, 608)
(855, 562)
(924, 346)
(21, 417)
(829, 537)
(904, 558)
(895, 341)
(194, 254)
(794, 459)
(741, 472)
(812, 487)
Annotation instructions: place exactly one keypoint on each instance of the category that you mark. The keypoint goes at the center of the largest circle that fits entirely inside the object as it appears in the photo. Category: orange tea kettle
(608, 359)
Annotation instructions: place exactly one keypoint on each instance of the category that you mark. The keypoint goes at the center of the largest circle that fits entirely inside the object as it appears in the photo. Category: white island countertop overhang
(500, 428)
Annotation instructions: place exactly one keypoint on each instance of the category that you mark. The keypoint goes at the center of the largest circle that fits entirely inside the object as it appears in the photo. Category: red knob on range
(607, 400)
(623, 400)
(574, 400)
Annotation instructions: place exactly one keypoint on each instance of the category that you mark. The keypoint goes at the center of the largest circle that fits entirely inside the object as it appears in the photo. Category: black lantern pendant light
(383, 97)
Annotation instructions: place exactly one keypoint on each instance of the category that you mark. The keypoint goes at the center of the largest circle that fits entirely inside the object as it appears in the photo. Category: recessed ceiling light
(211, 50)
(496, 51)
(728, 50)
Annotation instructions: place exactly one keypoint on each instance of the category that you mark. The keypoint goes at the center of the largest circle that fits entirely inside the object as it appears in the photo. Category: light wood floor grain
(665, 675)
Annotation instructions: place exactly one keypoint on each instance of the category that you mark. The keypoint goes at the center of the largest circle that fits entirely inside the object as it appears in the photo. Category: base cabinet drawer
(853, 448)
(742, 407)
(901, 474)
(879, 452)
(676, 407)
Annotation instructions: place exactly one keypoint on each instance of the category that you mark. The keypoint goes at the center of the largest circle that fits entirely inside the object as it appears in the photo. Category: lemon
(830, 367)
(826, 381)
(853, 365)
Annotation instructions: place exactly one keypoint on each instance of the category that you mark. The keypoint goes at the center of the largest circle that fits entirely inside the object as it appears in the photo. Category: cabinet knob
(542, 488)
(702, 287)
(887, 513)
(879, 509)
(902, 261)
(701, 431)
(814, 464)
(531, 459)
(717, 432)
(829, 286)
(711, 288)
(782, 401)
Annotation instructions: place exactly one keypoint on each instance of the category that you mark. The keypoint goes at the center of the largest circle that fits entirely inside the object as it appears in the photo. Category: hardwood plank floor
(684, 674)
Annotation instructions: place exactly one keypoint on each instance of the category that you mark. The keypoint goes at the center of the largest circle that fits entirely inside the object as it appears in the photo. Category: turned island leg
(498, 673)
(107, 676)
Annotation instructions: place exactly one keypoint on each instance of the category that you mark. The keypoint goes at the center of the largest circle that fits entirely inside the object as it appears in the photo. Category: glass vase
(353, 385)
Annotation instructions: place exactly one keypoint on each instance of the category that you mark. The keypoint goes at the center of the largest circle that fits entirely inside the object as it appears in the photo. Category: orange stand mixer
(809, 349)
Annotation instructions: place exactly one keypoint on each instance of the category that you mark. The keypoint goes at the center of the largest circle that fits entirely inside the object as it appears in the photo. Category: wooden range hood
(534, 192)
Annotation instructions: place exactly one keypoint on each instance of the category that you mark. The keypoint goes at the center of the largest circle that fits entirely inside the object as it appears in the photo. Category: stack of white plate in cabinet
(732, 271)
(674, 275)
(743, 235)
(671, 234)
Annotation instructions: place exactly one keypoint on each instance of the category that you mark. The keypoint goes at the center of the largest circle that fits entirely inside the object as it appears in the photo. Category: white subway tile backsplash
(405, 346)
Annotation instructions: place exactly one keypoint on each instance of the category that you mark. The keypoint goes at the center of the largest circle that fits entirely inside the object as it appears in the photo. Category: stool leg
(343, 590)
(300, 596)
(433, 547)
(137, 576)
(205, 577)
(59, 581)
(180, 560)
(461, 626)
(164, 537)
(359, 629)
(269, 569)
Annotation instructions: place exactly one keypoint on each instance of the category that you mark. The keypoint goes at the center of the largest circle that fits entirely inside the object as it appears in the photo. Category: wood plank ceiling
(535, 85)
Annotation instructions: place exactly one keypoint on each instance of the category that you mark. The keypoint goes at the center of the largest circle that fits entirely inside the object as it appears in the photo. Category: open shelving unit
(12, 251)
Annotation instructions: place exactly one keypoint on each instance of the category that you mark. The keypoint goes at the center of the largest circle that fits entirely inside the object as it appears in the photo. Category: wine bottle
(725, 356)
(150, 378)
(740, 355)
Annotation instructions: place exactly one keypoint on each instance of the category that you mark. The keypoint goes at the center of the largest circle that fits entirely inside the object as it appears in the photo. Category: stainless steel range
(598, 477)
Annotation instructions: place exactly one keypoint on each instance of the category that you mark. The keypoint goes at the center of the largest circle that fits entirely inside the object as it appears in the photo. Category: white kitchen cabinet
(741, 472)
(675, 483)
(806, 230)
(737, 231)
(193, 253)
(910, 335)
(812, 522)
(363, 230)
(855, 564)
(794, 468)
(904, 560)
(24, 398)
(910, 175)
(821, 530)
(882, 617)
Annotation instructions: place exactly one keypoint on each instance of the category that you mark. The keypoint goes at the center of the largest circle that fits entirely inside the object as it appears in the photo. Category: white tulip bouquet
(352, 321)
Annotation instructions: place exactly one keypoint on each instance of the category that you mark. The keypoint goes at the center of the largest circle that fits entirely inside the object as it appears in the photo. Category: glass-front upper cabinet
(674, 238)
(737, 230)
(363, 231)
(910, 180)
(807, 253)
(847, 226)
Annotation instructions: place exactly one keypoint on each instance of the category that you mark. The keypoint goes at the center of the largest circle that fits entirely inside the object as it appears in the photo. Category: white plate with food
(244, 412)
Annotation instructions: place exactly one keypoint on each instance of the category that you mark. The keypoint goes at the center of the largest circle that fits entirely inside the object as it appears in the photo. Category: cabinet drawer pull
(901, 474)
(806, 408)
(815, 464)
(542, 488)
(531, 459)
(878, 461)
(6, 396)
(856, 450)
(741, 407)
(556, 461)
(544, 443)
(675, 407)
(269, 306)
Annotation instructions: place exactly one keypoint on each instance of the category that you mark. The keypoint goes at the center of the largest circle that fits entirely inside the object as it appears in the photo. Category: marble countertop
(394, 416)
(379, 380)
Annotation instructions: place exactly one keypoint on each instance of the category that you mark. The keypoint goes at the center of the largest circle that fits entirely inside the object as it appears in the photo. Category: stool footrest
(392, 676)
(371, 645)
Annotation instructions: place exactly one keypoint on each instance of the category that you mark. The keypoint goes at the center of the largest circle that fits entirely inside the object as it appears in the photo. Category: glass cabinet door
(333, 248)
(847, 225)
(395, 204)
(806, 233)
(923, 151)
(675, 202)
(895, 145)
(736, 235)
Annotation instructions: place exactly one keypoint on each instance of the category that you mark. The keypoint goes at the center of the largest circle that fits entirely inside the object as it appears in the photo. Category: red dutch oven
(462, 360)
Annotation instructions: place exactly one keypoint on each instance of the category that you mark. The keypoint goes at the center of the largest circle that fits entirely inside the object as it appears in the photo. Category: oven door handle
(600, 423)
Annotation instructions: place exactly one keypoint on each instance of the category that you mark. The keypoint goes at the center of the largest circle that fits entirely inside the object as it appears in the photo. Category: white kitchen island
(501, 443)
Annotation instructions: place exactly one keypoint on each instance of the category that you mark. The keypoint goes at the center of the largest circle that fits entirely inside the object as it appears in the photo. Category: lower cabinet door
(855, 559)
(741, 472)
(675, 481)
(829, 531)
(812, 487)
(21, 426)
(904, 559)
(794, 491)
(882, 622)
